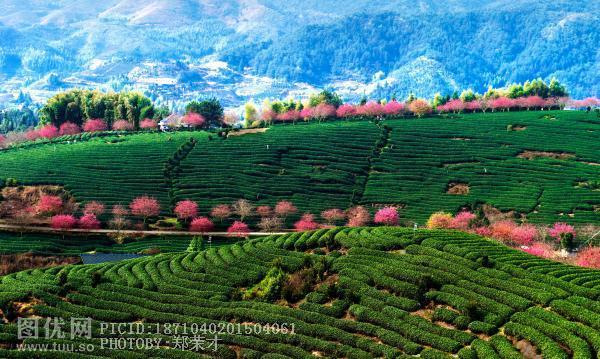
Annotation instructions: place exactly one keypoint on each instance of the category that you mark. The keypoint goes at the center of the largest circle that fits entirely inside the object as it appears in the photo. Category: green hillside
(353, 293)
(539, 164)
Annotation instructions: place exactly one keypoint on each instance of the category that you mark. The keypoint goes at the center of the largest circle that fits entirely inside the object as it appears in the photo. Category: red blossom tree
(371, 109)
(221, 212)
(49, 204)
(589, 257)
(194, 120)
(285, 208)
(473, 106)
(358, 216)
(289, 116)
(455, 106)
(387, 216)
(323, 111)
(307, 113)
(186, 210)
(201, 224)
(462, 220)
(69, 128)
(345, 110)
(148, 124)
(95, 125)
(524, 234)
(333, 215)
(96, 208)
(306, 223)
(502, 103)
(145, 207)
(48, 131)
(419, 107)
(122, 125)
(89, 221)
(393, 108)
(561, 231)
(63, 221)
(539, 249)
(32, 134)
(264, 211)
(238, 229)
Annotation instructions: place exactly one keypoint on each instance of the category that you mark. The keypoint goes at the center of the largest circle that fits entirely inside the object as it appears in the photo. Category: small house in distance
(173, 121)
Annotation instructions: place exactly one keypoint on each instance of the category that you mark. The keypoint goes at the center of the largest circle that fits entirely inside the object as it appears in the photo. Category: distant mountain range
(178, 50)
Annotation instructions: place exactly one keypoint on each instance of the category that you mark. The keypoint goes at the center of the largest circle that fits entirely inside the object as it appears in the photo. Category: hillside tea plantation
(367, 292)
(541, 165)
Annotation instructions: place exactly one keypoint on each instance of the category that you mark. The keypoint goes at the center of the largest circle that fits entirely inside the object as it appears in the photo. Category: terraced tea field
(542, 165)
(372, 292)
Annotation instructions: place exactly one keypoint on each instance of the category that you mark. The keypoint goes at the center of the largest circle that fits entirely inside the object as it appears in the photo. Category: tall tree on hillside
(327, 97)
(210, 109)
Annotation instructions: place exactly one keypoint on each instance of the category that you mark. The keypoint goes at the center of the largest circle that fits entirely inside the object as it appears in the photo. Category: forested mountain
(235, 50)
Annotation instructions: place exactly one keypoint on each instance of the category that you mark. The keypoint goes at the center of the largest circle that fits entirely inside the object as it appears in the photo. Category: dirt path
(34, 229)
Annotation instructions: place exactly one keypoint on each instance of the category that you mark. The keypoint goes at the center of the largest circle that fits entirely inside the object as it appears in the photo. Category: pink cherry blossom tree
(370, 109)
(289, 116)
(63, 221)
(69, 128)
(345, 110)
(358, 216)
(194, 120)
(524, 234)
(323, 111)
(589, 257)
(306, 223)
(186, 210)
(119, 210)
(221, 212)
(333, 215)
(455, 106)
(94, 207)
(285, 208)
(48, 131)
(122, 125)
(148, 124)
(89, 221)
(145, 207)
(393, 108)
(32, 134)
(307, 113)
(264, 211)
(49, 204)
(95, 125)
(462, 220)
(539, 249)
(387, 216)
(201, 224)
(238, 229)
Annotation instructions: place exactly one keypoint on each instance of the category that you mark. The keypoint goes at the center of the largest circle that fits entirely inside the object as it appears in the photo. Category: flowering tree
(539, 249)
(32, 134)
(419, 107)
(357, 216)
(455, 106)
(462, 220)
(323, 111)
(289, 116)
(119, 210)
(371, 109)
(63, 221)
(270, 224)
(264, 211)
(532, 102)
(89, 221)
(48, 131)
(524, 234)
(221, 212)
(186, 210)
(474, 105)
(306, 223)
(268, 115)
(502, 103)
(201, 224)
(331, 216)
(387, 216)
(503, 230)
(94, 207)
(145, 207)
(439, 220)
(2, 141)
(69, 128)
(589, 257)
(122, 125)
(194, 120)
(230, 118)
(345, 110)
(243, 208)
(563, 233)
(49, 204)
(95, 125)
(393, 108)
(148, 124)
(238, 229)
(285, 208)
(307, 113)
(483, 231)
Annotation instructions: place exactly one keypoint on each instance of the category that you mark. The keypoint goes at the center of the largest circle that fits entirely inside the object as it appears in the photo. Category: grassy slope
(342, 163)
(385, 283)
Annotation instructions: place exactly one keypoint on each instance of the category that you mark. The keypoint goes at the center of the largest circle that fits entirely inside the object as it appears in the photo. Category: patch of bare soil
(460, 164)
(517, 128)
(591, 163)
(17, 262)
(528, 350)
(493, 214)
(458, 188)
(247, 131)
(461, 139)
(530, 155)
(381, 205)
(424, 313)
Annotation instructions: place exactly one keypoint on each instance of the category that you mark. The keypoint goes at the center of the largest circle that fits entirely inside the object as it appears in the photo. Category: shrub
(439, 220)
(186, 209)
(95, 125)
(201, 224)
(589, 257)
(357, 216)
(122, 125)
(48, 131)
(94, 207)
(148, 124)
(49, 204)
(89, 221)
(145, 207)
(63, 221)
(387, 216)
(69, 128)
(306, 223)
(238, 229)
